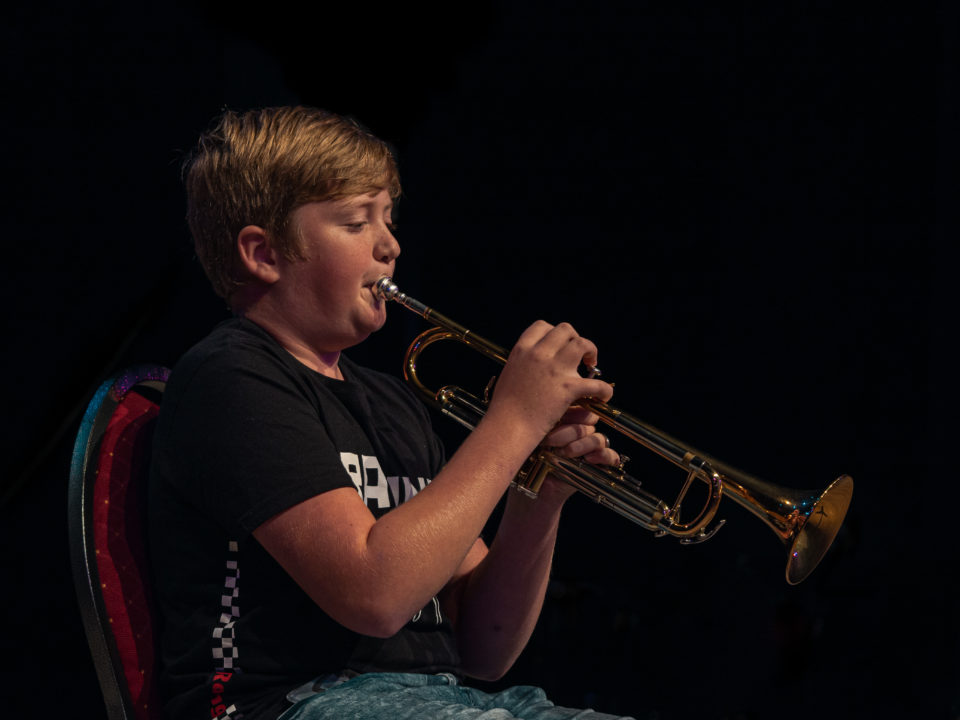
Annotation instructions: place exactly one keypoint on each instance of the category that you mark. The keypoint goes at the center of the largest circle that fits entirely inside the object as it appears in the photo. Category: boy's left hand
(576, 436)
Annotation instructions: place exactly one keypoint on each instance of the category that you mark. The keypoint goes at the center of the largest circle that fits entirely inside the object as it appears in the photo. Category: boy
(365, 587)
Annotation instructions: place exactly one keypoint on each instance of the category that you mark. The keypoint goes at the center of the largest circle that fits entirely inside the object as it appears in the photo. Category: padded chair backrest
(107, 537)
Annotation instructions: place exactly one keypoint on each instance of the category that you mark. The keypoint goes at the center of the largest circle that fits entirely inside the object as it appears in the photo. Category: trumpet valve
(532, 475)
(624, 459)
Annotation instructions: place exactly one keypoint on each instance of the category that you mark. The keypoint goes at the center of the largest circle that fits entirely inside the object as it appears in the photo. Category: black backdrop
(750, 210)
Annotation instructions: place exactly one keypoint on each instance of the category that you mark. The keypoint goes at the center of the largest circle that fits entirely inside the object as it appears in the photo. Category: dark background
(751, 210)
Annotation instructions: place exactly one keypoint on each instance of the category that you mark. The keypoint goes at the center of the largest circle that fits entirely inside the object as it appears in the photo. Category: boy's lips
(377, 300)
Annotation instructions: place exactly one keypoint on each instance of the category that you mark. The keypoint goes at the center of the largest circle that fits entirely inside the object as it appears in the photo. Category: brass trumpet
(806, 521)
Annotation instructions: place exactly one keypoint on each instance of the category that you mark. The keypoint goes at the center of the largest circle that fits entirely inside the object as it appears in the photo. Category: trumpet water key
(806, 521)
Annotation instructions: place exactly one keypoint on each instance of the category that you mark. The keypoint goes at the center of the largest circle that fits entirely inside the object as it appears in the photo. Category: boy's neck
(325, 363)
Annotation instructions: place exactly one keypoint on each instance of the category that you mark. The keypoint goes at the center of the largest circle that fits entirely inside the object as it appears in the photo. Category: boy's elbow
(488, 665)
(489, 672)
(372, 620)
(383, 626)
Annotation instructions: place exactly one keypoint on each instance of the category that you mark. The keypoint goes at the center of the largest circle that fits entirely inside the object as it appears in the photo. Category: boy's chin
(373, 324)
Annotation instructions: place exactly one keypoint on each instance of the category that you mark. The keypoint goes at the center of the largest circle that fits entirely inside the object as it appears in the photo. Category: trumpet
(806, 521)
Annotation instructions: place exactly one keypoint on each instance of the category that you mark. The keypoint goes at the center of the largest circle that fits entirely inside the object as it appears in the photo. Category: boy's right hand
(541, 378)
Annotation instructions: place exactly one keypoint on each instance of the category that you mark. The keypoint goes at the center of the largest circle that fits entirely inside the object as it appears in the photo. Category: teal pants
(402, 696)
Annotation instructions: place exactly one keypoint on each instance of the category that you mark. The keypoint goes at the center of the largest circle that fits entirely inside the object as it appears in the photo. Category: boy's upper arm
(320, 543)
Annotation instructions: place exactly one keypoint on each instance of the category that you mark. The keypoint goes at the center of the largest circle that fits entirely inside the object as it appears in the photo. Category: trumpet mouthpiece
(386, 288)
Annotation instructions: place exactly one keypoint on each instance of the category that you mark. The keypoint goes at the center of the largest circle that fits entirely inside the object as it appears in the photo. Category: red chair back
(107, 536)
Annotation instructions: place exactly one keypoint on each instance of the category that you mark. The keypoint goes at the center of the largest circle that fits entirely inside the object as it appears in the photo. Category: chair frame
(86, 451)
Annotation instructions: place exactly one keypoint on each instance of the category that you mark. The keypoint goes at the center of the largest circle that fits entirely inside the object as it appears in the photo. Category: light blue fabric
(405, 696)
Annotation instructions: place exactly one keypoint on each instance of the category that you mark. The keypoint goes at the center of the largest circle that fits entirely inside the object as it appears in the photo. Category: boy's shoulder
(241, 346)
(235, 347)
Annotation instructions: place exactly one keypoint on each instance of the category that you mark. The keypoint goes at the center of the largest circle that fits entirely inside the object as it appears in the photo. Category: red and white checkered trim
(225, 652)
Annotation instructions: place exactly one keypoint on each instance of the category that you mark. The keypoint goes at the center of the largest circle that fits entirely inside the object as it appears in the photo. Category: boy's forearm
(502, 599)
(414, 551)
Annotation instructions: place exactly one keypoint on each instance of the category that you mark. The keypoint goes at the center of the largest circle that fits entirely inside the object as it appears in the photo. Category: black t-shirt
(245, 432)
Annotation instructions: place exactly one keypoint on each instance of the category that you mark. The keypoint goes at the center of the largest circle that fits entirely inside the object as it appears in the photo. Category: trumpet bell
(806, 521)
(809, 544)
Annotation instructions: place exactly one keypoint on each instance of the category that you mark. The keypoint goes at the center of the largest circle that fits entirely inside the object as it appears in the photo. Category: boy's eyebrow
(363, 201)
(367, 207)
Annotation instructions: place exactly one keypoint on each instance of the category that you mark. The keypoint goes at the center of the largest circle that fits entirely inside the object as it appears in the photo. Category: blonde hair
(257, 167)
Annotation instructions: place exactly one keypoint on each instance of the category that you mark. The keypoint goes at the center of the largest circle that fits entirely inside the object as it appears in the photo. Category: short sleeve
(241, 436)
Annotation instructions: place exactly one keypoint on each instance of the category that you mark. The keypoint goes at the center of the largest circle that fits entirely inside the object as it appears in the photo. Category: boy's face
(349, 245)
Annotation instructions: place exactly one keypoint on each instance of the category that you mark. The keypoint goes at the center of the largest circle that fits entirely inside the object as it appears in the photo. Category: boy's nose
(387, 247)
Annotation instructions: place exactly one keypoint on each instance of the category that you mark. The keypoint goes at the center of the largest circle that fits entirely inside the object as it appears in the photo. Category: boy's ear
(257, 254)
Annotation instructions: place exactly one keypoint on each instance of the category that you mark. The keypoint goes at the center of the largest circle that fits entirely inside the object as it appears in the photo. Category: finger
(596, 389)
(580, 350)
(588, 444)
(564, 434)
(533, 334)
(604, 456)
(549, 341)
(578, 416)
(563, 340)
